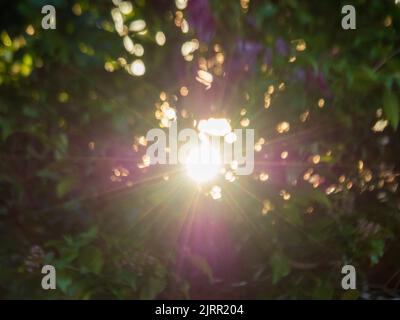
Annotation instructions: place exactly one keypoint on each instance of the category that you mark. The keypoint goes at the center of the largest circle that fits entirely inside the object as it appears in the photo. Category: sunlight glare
(203, 163)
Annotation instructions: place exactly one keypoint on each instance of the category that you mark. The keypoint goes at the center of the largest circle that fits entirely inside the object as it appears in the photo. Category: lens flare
(203, 163)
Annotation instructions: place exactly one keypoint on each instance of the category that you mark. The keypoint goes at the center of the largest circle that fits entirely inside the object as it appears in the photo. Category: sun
(203, 163)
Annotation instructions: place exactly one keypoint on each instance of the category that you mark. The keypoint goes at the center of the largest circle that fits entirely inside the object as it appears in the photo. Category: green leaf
(350, 295)
(91, 260)
(202, 265)
(292, 215)
(67, 255)
(61, 146)
(152, 288)
(391, 108)
(280, 267)
(361, 79)
(321, 198)
(65, 186)
(323, 291)
(87, 236)
(30, 112)
(129, 278)
(377, 250)
(7, 128)
(63, 281)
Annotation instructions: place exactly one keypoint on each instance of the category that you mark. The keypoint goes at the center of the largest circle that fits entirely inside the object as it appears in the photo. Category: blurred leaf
(350, 295)
(152, 288)
(323, 291)
(63, 281)
(129, 278)
(65, 186)
(91, 260)
(202, 265)
(292, 215)
(391, 108)
(67, 255)
(321, 198)
(377, 250)
(280, 266)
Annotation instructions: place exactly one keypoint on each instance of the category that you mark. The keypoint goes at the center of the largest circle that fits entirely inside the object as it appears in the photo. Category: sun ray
(297, 228)
(103, 193)
(186, 228)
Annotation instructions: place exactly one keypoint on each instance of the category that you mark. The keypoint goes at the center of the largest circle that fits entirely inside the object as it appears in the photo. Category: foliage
(67, 122)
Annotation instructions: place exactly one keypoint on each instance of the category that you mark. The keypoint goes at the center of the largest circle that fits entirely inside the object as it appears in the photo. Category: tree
(77, 191)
